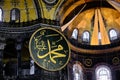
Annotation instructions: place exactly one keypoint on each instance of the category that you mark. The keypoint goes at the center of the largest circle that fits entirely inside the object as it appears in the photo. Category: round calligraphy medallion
(49, 49)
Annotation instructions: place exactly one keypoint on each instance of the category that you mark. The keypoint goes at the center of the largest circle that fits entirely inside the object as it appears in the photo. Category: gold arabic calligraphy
(50, 52)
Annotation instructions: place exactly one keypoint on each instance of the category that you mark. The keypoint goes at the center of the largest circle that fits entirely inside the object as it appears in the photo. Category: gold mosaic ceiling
(94, 16)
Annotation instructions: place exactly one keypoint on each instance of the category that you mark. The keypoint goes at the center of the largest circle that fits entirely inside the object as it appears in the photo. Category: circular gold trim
(115, 60)
(61, 35)
(88, 62)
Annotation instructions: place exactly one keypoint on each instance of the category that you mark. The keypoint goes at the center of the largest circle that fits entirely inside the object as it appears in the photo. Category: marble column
(19, 45)
(2, 46)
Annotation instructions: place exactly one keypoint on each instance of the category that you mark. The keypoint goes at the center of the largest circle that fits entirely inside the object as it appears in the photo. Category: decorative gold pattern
(88, 62)
(115, 60)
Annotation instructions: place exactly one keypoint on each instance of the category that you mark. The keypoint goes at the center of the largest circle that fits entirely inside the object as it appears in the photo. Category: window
(77, 72)
(99, 36)
(1, 14)
(15, 15)
(103, 73)
(113, 34)
(86, 36)
(32, 67)
(75, 34)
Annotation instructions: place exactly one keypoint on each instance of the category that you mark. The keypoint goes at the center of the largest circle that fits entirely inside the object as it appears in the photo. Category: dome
(13, 10)
(94, 23)
(90, 29)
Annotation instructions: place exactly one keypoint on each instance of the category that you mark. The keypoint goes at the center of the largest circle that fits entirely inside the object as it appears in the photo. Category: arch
(113, 34)
(1, 15)
(77, 72)
(103, 72)
(15, 15)
(86, 36)
(75, 34)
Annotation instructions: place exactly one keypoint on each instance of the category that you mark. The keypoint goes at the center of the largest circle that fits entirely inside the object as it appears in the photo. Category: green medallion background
(49, 49)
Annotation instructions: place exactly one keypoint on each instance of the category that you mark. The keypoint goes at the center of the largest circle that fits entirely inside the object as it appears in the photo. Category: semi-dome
(93, 23)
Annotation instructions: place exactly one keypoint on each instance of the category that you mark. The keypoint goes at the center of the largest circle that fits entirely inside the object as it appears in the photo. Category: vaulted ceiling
(97, 17)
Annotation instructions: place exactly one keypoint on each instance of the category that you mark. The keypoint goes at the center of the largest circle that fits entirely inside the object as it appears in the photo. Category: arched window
(113, 34)
(15, 15)
(86, 36)
(1, 14)
(103, 73)
(77, 72)
(32, 67)
(75, 34)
